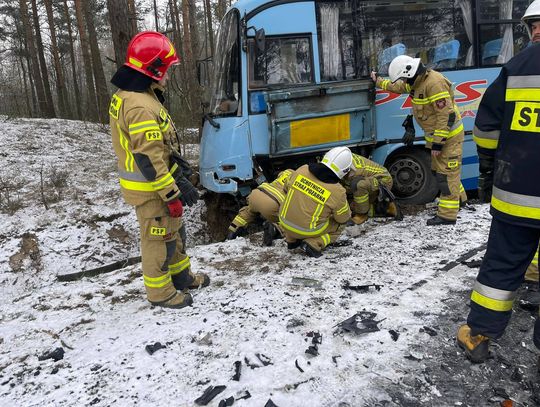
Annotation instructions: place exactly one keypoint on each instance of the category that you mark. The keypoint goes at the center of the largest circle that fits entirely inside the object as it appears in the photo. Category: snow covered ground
(265, 307)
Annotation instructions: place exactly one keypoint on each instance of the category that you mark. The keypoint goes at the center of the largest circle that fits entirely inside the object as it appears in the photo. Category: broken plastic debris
(55, 355)
(360, 323)
(270, 403)
(151, 349)
(237, 371)
(205, 339)
(360, 288)
(298, 366)
(316, 339)
(394, 334)
(243, 395)
(265, 360)
(226, 402)
(306, 282)
(209, 395)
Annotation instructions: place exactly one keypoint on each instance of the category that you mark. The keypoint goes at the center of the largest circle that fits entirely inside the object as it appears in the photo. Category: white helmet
(339, 160)
(531, 14)
(403, 66)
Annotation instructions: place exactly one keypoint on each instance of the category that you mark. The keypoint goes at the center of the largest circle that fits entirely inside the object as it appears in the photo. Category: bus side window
(446, 55)
(387, 55)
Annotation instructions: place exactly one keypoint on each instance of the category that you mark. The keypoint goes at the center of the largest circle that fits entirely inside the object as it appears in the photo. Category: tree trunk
(194, 32)
(33, 60)
(87, 61)
(132, 16)
(78, 100)
(20, 37)
(99, 74)
(60, 80)
(195, 90)
(42, 63)
(209, 28)
(156, 16)
(221, 8)
(121, 28)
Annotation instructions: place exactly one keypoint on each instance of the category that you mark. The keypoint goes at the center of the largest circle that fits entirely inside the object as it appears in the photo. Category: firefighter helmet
(151, 53)
(531, 15)
(339, 160)
(403, 66)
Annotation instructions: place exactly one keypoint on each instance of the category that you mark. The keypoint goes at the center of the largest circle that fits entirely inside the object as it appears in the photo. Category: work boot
(185, 280)
(437, 221)
(359, 218)
(476, 347)
(394, 211)
(310, 251)
(233, 234)
(178, 300)
(270, 233)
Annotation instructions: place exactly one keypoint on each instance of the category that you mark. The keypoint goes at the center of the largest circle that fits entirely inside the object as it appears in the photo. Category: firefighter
(364, 183)
(506, 132)
(153, 175)
(531, 20)
(436, 112)
(315, 210)
(264, 201)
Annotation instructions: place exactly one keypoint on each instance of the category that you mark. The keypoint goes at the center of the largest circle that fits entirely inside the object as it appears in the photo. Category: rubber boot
(270, 233)
(530, 297)
(187, 280)
(294, 245)
(177, 301)
(476, 347)
(310, 251)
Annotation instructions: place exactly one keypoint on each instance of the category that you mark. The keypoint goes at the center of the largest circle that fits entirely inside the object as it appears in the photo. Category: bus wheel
(413, 181)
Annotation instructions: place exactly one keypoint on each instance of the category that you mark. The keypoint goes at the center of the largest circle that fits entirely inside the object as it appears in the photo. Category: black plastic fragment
(360, 288)
(245, 395)
(298, 366)
(151, 349)
(265, 360)
(226, 402)
(270, 403)
(359, 323)
(209, 395)
(429, 331)
(394, 334)
(237, 371)
(55, 355)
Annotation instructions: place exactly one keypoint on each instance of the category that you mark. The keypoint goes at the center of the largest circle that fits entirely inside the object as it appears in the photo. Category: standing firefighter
(367, 182)
(265, 201)
(316, 211)
(507, 134)
(436, 112)
(152, 173)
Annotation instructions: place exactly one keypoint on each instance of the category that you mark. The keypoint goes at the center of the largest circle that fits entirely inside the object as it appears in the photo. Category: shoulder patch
(114, 107)
(153, 135)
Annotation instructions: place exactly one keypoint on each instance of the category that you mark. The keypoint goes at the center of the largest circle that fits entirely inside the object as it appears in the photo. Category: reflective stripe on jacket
(275, 188)
(310, 202)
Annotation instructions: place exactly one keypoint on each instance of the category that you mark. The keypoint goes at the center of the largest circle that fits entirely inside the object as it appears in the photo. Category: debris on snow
(360, 323)
(237, 371)
(209, 394)
(306, 282)
(361, 288)
(153, 348)
(56, 355)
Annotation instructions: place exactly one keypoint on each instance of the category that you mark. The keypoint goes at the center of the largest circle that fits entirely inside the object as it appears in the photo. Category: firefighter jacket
(143, 138)
(310, 203)
(363, 167)
(274, 189)
(507, 134)
(433, 106)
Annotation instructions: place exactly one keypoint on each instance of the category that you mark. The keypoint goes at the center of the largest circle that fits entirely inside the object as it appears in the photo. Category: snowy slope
(253, 307)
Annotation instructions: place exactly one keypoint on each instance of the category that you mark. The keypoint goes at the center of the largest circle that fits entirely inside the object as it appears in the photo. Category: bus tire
(414, 183)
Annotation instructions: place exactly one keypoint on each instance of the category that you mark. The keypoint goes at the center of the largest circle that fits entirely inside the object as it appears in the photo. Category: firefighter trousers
(447, 169)
(366, 193)
(510, 249)
(319, 242)
(259, 202)
(165, 265)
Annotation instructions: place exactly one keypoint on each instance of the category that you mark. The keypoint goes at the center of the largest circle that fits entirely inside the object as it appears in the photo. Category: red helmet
(151, 53)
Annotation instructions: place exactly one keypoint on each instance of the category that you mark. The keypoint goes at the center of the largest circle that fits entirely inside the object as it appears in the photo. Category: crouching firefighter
(369, 186)
(152, 174)
(315, 210)
(507, 136)
(265, 201)
(436, 112)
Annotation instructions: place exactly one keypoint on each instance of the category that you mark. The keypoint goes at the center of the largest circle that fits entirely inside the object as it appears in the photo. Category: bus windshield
(225, 87)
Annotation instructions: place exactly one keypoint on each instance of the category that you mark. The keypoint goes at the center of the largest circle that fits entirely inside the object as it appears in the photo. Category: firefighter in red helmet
(153, 175)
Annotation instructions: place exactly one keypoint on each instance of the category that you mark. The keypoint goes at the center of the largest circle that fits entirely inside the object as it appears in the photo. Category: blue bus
(291, 80)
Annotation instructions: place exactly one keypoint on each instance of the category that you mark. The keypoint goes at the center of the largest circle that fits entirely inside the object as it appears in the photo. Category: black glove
(410, 133)
(188, 193)
(485, 186)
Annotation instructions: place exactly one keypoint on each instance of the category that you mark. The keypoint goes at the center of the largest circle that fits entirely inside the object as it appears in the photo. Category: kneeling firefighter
(436, 112)
(315, 211)
(370, 184)
(153, 176)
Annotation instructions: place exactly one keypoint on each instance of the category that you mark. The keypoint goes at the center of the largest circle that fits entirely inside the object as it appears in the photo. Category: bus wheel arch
(410, 168)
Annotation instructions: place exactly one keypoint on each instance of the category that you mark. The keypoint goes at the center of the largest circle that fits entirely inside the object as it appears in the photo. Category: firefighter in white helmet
(531, 19)
(315, 211)
(436, 112)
